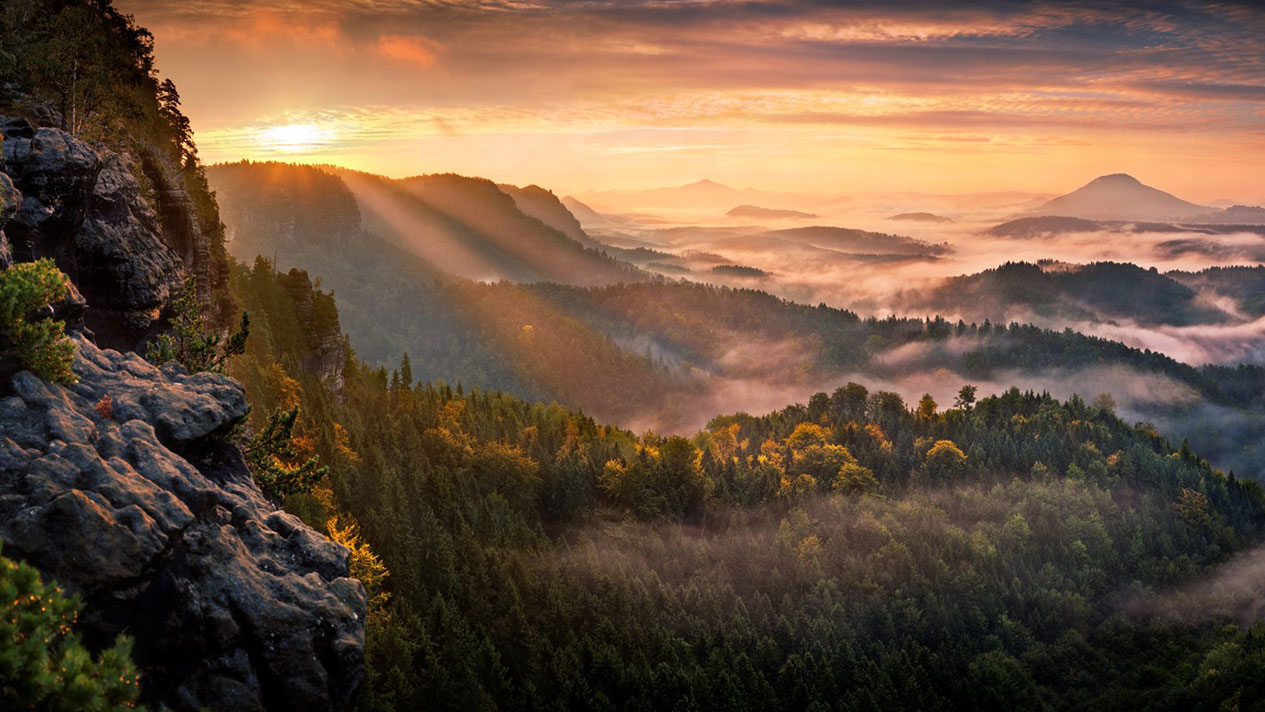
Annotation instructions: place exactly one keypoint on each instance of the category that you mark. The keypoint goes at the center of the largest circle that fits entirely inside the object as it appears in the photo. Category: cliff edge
(125, 487)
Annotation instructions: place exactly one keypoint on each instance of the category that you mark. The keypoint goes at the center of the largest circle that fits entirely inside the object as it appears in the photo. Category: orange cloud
(981, 93)
(262, 28)
(411, 50)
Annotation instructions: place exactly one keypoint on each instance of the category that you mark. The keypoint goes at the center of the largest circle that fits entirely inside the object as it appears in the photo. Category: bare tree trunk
(74, 99)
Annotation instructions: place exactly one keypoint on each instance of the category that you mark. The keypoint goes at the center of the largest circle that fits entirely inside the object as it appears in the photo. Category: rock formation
(184, 233)
(10, 199)
(326, 352)
(123, 489)
(85, 208)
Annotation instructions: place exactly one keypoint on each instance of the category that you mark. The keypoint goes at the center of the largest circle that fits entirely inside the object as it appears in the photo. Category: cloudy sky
(775, 94)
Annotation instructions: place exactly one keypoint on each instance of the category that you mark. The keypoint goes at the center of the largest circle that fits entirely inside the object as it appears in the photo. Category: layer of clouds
(781, 374)
(1180, 51)
(1010, 77)
(902, 286)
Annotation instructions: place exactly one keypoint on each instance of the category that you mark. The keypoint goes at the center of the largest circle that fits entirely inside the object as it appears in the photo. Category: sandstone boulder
(123, 488)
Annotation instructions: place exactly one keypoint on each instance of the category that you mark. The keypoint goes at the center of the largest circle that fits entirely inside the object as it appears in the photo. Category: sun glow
(818, 96)
(294, 138)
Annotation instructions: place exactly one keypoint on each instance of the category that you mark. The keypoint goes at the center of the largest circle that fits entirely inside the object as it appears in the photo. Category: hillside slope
(667, 355)
(544, 206)
(460, 226)
(1094, 292)
(1052, 526)
(470, 228)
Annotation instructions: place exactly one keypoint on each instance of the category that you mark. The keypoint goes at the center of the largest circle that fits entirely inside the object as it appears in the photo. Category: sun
(294, 138)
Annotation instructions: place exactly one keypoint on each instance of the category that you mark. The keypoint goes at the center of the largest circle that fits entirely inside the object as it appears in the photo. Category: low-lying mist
(1213, 327)
(874, 283)
(1232, 590)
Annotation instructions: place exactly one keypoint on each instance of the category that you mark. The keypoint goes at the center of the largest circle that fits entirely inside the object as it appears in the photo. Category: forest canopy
(1011, 552)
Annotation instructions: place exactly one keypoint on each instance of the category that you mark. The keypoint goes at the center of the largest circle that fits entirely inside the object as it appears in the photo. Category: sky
(794, 95)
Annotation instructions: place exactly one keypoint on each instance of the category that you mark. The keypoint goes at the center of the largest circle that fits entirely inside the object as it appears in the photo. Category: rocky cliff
(326, 352)
(125, 487)
(85, 208)
(182, 230)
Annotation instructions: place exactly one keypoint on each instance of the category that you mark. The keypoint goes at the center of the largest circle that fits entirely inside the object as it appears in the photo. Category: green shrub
(190, 342)
(43, 666)
(40, 345)
(274, 458)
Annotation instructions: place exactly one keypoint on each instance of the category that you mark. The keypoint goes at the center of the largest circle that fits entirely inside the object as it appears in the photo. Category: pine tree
(274, 458)
(191, 342)
(406, 371)
(36, 344)
(43, 666)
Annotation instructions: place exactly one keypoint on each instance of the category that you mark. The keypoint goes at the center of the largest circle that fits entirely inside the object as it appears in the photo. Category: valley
(429, 375)
(743, 343)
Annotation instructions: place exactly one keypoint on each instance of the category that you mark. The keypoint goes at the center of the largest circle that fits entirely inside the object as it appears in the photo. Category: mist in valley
(632, 354)
(893, 258)
(920, 248)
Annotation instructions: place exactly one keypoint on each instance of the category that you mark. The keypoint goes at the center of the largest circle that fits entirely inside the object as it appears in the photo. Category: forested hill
(848, 553)
(1244, 285)
(1101, 291)
(467, 227)
(546, 207)
(668, 354)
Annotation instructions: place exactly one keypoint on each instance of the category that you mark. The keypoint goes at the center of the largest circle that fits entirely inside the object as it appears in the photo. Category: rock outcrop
(128, 274)
(10, 200)
(326, 351)
(55, 174)
(123, 489)
(185, 233)
(84, 207)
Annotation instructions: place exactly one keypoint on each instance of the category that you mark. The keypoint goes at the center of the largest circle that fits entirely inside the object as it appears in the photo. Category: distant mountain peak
(1119, 196)
(707, 183)
(1117, 179)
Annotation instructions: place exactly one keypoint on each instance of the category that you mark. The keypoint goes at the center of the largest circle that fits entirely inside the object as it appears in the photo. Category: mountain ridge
(470, 227)
(761, 213)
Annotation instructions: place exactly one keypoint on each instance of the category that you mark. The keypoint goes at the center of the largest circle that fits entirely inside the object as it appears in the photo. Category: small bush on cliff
(364, 564)
(190, 342)
(42, 664)
(39, 345)
(274, 458)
